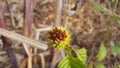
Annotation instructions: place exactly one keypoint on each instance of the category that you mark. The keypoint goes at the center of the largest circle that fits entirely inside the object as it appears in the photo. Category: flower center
(57, 34)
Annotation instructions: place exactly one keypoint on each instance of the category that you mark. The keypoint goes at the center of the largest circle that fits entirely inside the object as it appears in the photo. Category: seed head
(59, 37)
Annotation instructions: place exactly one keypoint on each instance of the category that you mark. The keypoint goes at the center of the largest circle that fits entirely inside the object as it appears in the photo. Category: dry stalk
(28, 5)
(42, 60)
(26, 49)
(23, 39)
(37, 34)
(67, 7)
(58, 12)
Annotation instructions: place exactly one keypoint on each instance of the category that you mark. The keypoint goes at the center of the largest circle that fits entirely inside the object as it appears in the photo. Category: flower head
(59, 37)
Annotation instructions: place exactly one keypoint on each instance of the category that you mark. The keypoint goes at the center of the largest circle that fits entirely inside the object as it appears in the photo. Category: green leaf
(70, 62)
(90, 65)
(100, 65)
(101, 53)
(99, 7)
(116, 48)
(81, 54)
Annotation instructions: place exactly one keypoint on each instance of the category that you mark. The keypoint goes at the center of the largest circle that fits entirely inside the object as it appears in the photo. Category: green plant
(70, 61)
(99, 57)
(59, 38)
(116, 48)
(113, 15)
(102, 52)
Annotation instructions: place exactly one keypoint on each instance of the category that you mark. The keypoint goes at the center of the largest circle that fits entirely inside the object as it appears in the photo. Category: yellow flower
(59, 37)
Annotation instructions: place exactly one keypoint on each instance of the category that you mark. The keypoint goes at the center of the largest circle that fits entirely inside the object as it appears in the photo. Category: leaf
(101, 53)
(100, 65)
(116, 48)
(99, 7)
(90, 65)
(70, 62)
(81, 54)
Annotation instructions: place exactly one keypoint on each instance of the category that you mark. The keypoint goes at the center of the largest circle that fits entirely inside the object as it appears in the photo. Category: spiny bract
(59, 37)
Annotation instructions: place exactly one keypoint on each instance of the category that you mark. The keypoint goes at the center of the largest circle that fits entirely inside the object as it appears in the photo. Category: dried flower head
(59, 37)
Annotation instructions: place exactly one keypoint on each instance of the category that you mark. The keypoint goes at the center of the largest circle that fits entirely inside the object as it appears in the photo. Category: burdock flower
(59, 37)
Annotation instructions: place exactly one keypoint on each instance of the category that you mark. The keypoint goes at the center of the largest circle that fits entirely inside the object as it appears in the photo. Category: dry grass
(88, 28)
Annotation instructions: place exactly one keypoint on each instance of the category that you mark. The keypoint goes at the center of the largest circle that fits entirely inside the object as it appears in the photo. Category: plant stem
(28, 26)
(110, 21)
(28, 18)
(58, 12)
(7, 47)
(51, 54)
(116, 3)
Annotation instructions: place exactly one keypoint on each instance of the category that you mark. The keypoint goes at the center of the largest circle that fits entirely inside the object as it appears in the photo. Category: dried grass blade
(23, 39)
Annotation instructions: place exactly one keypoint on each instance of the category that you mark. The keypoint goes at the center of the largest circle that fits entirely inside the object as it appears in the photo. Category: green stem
(68, 50)
(110, 21)
(116, 3)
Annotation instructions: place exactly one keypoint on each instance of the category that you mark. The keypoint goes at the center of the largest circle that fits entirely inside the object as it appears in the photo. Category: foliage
(99, 57)
(102, 52)
(116, 48)
(108, 12)
(74, 62)
(60, 39)
(70, 62)
(99, 7)
(81, 54)
(90, 65)
(100, 65)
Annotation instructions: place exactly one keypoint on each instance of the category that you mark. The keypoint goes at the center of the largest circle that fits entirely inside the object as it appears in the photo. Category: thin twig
(23, 39)
(29, 62)
(26, 49)
(42, 60)
(37, 34)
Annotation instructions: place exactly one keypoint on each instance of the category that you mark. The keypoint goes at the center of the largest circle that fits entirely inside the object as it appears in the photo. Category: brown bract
(57, 35)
